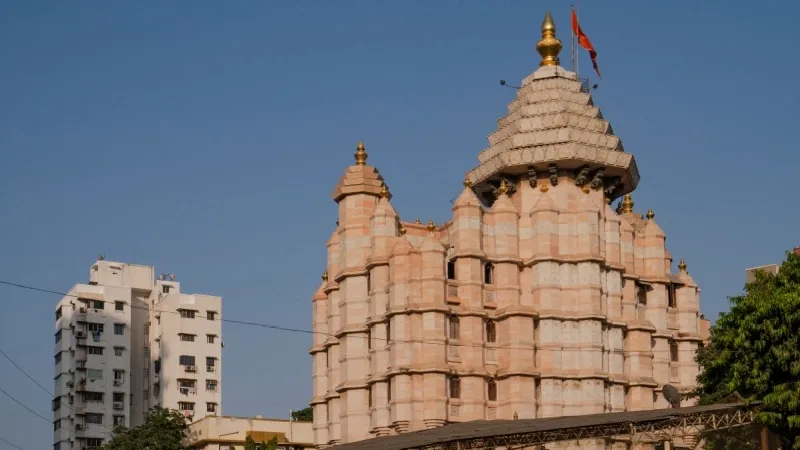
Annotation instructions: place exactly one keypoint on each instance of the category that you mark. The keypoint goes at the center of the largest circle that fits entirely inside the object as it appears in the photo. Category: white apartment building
(126, 342)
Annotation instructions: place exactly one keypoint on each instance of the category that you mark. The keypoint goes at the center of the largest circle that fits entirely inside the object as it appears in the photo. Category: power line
(11, 444)
(25, 406)
(299, 330)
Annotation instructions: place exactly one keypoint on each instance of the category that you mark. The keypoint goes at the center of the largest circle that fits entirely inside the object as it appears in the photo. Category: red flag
(584, 41)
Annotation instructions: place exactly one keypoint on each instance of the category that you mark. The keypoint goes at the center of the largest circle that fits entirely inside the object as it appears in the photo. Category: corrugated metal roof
(486, 428)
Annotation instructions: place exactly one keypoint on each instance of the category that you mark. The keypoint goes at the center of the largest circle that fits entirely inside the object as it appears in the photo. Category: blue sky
(205, 138)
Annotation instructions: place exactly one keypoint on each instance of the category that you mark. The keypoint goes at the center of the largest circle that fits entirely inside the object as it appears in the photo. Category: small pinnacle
(467, 181)
(627, 203)
(431, 226)
(384, 191)
(516, 416)
(650, 214)
(503, 189)
(325, 276)
(682, 266)
(418, 221)
(402, 229)
(361, 154)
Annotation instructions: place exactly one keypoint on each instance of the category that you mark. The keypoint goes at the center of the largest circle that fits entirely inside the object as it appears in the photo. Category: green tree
(754, 352)
(164, 429)
(250, 444)
(304, 415)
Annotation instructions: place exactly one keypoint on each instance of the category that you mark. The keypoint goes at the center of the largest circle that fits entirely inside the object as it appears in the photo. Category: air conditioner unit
(193, 391)
(80, 335)
(119, 405)
(184, 391)
(191, 369)
(117, 382)
(78, 426)
(188, 414)
(82, 310)
(70, 383)
(209, 368)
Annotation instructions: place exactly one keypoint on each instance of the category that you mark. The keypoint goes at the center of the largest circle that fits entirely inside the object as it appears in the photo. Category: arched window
(488, 273)
(451, 269)
(453, 327)
(454, 388)
(491, 391)
(491, 331)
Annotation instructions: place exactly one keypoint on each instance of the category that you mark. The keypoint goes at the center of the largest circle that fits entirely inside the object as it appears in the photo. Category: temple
(537, 299)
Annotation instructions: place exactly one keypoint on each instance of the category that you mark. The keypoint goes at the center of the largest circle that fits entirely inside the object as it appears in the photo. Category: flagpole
(572, 54)
(577, 60)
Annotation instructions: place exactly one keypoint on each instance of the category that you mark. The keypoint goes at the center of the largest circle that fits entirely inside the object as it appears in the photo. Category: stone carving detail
(532, 177)
(611, 186)
(553, 174)
(597, 181)
(583, 174)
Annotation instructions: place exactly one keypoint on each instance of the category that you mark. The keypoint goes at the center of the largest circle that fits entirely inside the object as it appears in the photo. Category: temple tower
(536, 300)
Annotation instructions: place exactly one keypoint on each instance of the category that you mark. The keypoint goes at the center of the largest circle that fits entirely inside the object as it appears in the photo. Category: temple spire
(549, 46)
(361, 154)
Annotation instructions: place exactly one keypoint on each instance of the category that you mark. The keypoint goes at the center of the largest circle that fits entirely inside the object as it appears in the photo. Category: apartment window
(388, 390)
(56, 425)
(211, 361)
(58, 313)
(58, 357)
(94, 374)
(118, 351)
(491, 391)
(210, 338)
(211, 385)
(491, 331)
(671, 296)
(94, 350)
(165, 289)
(95, 327)
(119, 421)
(94, 442)
(58, 336)
(119, 375)
(186, 406)
(451, 269)
(187, 313)
(97, 304)
(453, 327)
(186, 360)
(454, 388)
(673, 351)
(93, 397)
(388, 330)
(186, 337)
(56, 403)
(94, 418)
(211, 315)
(119, 328)
(369, 339)
(211, 407)
(187, 384)
(119, 306)
(119, 397)
(157, 365)
(488, 273)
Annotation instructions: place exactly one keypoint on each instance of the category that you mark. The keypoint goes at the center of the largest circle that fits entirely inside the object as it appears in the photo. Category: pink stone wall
(577, 313)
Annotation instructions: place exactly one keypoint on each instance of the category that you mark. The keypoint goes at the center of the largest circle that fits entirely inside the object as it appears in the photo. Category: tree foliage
(304, 415)
(250, 444)
(164, 429)
(755, 351)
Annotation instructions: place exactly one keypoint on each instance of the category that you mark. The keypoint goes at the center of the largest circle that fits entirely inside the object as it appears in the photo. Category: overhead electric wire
(11, 444)
(299, 330)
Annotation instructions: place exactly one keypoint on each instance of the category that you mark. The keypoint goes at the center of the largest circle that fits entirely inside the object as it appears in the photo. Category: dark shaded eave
(481, 429)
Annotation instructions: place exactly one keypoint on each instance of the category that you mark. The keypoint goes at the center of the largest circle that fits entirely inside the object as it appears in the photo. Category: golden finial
(503, 189)
(361, 154)
(585, 188)
(402, 229)
(627, 203)
(418, 221)
(544, 187)
(384, 191)
(682, 265)
(516, 416)
(431, 226)
(650, 214)
(325, 276)
(549, 46)
(467, 181)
